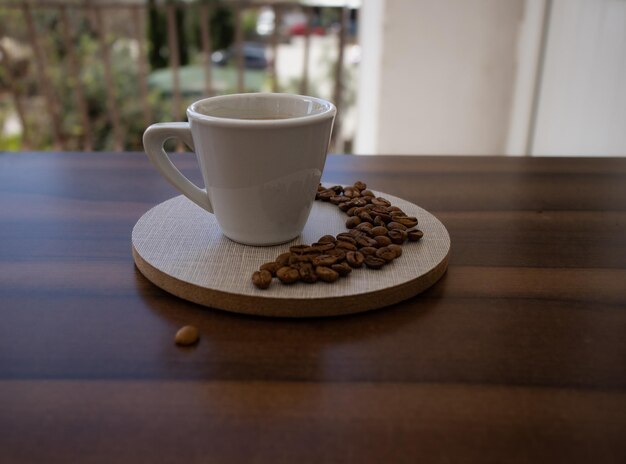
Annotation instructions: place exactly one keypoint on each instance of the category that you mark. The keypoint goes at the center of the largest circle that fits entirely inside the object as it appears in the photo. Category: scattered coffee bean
(415, 235)
(288, 275)
(396, 248)
(299, 249)
(395, 225)
(283, 259)
(352, 222)
(307, 273)
(271, 268)
(373, 262)
(338, 253)
(378, 230)
(407, 221)
(368, 251)
(355, 259)
(326, 195)
(365, 242)
(397, 236)
(346, 237)
(343, 269)
(380, 201)
(324, 260)
(351, 192)
(385, 253)
(262, 279)
(345, 245)
(382, 241)
(365, 216)
(187, 335)
(326, 274)
(364, 226)
(321, 247)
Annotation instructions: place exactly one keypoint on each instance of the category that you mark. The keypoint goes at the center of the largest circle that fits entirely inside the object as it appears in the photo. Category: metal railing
(95, 14)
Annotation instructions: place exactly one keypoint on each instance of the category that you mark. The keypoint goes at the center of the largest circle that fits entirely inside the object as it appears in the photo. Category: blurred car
(253, 56)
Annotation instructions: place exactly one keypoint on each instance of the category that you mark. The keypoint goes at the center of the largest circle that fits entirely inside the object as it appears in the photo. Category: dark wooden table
(517, 355)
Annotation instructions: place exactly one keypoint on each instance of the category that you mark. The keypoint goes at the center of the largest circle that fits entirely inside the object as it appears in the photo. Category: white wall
(582, 104)
(463, 77)
(443, 80)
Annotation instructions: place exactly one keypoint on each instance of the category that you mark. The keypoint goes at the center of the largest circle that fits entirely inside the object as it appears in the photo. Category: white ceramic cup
(261, 157)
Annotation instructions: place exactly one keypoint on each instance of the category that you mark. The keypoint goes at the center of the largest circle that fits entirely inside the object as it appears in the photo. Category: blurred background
(489, 77)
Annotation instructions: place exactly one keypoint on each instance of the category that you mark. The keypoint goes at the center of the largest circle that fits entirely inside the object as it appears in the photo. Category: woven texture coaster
(180, 248)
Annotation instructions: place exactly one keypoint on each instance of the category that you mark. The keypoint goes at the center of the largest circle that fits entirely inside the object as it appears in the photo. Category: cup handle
(153, 139)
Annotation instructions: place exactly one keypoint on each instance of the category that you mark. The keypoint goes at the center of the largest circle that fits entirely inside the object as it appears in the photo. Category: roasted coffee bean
(338, 253)
(396, 225)
(352, 192)
(324, 260)
(365, 216)
(326, 274)
(355, 259)
(365, 242)
(346, 237)
(365, 227)
(382, 241)
(359, 201)
(393, 208)
(271, 267)
(367, 193)
(262, 279)
(415, 235)
(408, 221)
(380, 201)
(307, 273)
(288, 275)
(367, 251)
(339, 199)
(337, 189)
(346, 245)
(299, 249)
(295, 259)
(321, 246)
(352, 210)
(369, 207)
(395, 214)
(378, 221)
(359, 210)
(386, 253)
(187, 335)
(352, 222)
(397, 236)
(374, 262)
(344, 206)
(359, 184)
(326, 195)
(327, 239)
(343, 269)
(283, 259)
(378, 230)
(356, 233)
(396, 248)
(383, 217)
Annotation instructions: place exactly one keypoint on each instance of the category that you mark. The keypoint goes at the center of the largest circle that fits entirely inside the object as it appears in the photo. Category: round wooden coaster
(180, 248)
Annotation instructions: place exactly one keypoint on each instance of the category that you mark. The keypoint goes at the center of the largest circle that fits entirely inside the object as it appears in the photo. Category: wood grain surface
(517, 355)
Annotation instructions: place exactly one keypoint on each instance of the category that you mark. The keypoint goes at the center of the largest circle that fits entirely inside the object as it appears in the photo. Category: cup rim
(329, 111)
